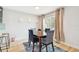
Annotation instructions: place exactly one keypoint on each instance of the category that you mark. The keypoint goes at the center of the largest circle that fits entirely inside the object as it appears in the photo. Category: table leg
(39, 44)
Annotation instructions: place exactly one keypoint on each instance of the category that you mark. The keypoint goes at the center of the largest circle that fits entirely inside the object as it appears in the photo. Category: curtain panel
(59, 34)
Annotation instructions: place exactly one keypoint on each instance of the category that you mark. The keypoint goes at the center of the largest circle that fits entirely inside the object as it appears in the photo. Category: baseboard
(66, 47)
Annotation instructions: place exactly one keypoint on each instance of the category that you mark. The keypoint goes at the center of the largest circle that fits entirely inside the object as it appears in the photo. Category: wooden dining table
(40, 43)
(40, 36)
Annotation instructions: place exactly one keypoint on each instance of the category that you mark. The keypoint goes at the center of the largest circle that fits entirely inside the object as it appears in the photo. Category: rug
(36, 49)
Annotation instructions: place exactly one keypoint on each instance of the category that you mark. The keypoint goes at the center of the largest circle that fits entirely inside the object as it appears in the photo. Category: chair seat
(44, 41)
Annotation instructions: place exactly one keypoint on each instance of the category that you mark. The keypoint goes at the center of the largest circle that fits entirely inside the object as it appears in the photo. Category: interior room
(39, 29)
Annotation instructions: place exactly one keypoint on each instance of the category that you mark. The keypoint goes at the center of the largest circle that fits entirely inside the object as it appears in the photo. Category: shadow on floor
(29, 49)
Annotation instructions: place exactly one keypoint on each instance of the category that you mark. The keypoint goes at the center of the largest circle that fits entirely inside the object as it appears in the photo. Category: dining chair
(5, 41)
(48, 40)
(47, 29)
(32, 38)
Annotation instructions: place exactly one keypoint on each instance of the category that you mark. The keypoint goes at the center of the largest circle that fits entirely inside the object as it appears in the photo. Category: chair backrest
(49, 37)
(47, 29)
(30, 34)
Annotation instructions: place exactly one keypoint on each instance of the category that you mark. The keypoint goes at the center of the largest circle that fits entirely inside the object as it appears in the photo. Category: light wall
(18, 23)
(71, 26)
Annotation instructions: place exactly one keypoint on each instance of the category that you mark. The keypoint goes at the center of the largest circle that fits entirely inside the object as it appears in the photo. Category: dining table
(40, 43)
(40, 36)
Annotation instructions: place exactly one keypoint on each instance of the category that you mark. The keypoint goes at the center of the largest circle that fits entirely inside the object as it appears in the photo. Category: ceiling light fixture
(37, 8)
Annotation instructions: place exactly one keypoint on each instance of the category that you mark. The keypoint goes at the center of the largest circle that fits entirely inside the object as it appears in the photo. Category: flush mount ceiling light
(37, 8)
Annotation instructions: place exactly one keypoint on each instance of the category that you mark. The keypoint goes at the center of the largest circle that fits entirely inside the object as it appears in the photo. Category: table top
(44, 33)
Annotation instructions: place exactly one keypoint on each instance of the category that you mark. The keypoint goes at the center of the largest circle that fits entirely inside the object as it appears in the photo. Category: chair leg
(6, 48)
(0, 49)
(46, 48)
(33, 48)
(29, 43)
(53, 47)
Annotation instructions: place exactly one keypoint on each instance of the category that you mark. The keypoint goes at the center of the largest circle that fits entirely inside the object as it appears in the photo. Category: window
(49, 21)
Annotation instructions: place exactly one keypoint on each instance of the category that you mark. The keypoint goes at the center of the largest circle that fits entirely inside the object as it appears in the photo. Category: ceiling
(32, 10)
